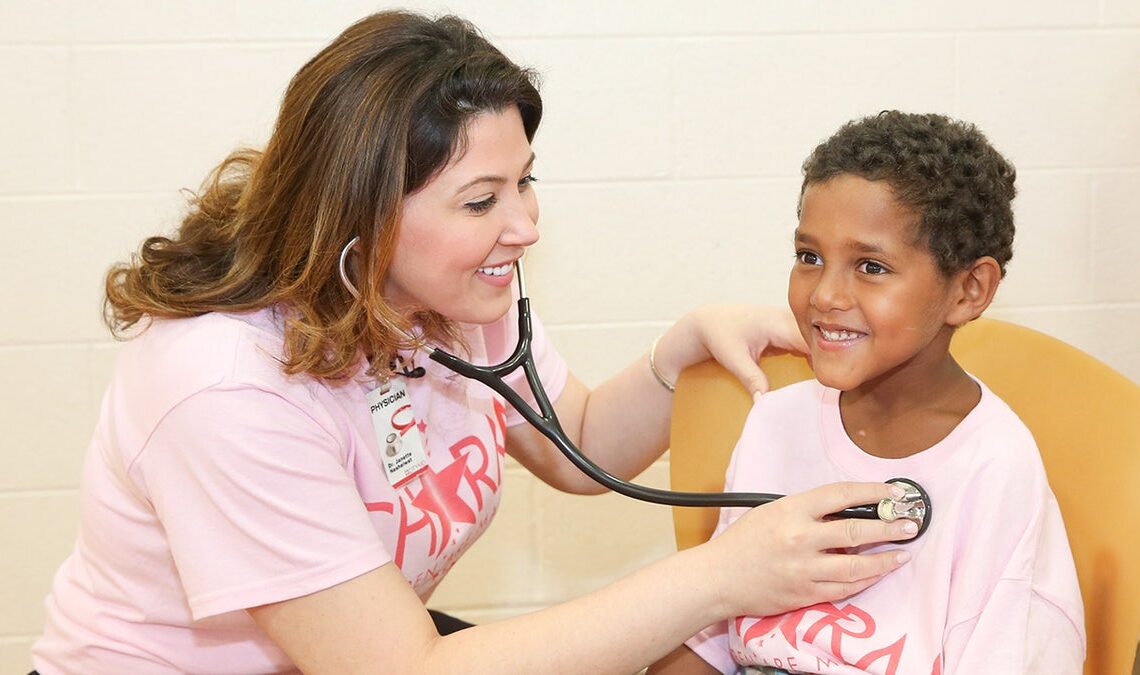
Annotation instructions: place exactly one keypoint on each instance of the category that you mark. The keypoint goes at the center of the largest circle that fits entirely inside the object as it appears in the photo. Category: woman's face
(461, 233)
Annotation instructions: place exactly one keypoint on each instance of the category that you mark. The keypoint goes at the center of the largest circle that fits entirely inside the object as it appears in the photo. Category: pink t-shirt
(214, 483)
(991, 587)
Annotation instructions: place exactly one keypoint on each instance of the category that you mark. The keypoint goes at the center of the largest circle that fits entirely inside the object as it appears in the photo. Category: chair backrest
(1083, 414)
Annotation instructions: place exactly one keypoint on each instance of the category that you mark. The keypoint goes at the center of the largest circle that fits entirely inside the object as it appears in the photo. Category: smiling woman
(278, 479)
(463, 231)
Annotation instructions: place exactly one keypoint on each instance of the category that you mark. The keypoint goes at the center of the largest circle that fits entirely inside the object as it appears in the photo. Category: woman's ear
(976, 287)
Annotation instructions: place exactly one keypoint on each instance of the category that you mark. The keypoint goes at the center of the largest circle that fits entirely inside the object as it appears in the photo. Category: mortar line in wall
(1092, 240)
(957, 76)
(32, 197)
(1098, 27)
(1091, 29)
(175, 44)
(72, 119)
(610, 325)
(49, 346)
(38, 492)
(643, 180)
(591, 325)
(1037, 309)
(170, 192)
(774, 177)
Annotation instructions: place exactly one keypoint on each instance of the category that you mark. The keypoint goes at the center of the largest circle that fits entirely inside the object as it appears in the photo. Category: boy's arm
(682, 661)
(1018, 631)
(1032, 620)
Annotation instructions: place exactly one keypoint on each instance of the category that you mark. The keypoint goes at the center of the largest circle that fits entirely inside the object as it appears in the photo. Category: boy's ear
(977, 285)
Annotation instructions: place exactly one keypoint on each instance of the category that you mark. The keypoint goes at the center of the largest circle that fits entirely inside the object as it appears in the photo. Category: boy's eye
(872, 267)
(482, 205)
(808, 258)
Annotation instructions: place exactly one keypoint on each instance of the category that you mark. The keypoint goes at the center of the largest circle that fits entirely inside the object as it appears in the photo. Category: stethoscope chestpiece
(914, 505)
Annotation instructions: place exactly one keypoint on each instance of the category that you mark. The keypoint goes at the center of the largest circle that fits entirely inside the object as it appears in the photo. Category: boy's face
(869, 299)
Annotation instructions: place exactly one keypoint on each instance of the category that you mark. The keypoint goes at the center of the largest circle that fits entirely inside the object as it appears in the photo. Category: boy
(905, 228)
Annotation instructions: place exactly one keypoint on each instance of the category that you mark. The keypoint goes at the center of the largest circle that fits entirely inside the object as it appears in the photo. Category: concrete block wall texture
(669, 159)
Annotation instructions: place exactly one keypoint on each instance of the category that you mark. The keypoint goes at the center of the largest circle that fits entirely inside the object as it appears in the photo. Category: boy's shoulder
(997, 422)
(794, 394)
(787, 406)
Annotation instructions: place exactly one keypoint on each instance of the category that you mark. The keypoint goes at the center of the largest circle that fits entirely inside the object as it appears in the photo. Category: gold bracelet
(657, 373)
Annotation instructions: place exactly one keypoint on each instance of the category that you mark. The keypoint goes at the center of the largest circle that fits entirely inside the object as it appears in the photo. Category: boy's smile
(869, 299)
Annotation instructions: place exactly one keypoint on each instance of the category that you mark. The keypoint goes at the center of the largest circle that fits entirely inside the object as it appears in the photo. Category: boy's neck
(893, 419)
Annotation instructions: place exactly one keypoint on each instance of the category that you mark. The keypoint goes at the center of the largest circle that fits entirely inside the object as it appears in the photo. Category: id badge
(402, 451)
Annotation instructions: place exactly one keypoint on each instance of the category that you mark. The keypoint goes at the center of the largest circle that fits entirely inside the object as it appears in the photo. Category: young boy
(905, 228)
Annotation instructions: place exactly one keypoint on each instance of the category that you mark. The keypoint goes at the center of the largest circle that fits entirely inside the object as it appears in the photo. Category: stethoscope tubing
(545, 420)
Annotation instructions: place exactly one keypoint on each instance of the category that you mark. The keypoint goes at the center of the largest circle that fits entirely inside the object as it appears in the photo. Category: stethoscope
(914, 505)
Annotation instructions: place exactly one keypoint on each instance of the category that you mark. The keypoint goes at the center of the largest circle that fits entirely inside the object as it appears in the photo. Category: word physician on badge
(401, 449)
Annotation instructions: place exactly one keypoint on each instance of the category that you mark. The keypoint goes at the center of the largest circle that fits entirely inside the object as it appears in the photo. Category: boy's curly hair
(957, 184)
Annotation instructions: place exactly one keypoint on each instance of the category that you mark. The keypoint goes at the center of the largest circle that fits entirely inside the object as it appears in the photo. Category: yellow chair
(1085, 418)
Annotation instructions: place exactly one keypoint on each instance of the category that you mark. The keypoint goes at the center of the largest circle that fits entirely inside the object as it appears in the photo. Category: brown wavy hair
(371, 118)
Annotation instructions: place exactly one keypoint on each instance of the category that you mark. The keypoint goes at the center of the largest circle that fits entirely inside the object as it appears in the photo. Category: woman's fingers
(853, 568)
(784, 553)
(834, 497)
(843, 575)
(737, 335)
(745, 369)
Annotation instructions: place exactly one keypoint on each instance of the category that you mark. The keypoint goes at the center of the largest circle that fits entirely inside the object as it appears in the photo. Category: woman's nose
(521, 226)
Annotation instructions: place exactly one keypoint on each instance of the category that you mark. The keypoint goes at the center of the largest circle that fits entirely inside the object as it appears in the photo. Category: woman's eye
(808, 258)
(527, 180)
(482, 205)
(872, 267)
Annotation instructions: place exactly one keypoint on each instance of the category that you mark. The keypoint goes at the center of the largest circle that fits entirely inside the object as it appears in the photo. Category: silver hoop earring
(414, 342)
(343, 272)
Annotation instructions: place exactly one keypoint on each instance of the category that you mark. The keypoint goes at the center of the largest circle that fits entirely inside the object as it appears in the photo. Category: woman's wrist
(676, 349)
(670, 385)
(711, 575)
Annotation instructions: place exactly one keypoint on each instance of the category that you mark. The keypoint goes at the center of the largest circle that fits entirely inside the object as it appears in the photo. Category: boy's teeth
(838, 334)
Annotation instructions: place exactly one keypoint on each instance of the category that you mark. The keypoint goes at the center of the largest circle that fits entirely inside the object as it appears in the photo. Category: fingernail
(902, 557)
(756, 395)
(910, 527)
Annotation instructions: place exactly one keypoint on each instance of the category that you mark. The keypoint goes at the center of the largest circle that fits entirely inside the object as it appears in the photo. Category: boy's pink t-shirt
(214, 483)
(991, 587)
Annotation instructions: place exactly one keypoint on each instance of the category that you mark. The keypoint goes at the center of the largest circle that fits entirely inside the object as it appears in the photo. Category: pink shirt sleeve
(1019, 631)
(254, 499)
(1025, 625)
(711, 644)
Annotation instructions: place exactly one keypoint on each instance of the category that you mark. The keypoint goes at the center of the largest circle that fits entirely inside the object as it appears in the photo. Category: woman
(279, 478)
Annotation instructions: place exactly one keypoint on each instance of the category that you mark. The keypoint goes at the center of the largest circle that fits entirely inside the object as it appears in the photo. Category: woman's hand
(735, 335)
(773, 559)
(783, 555)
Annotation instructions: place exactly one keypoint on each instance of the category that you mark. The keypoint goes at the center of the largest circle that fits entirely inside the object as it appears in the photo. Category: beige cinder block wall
(669, 160)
